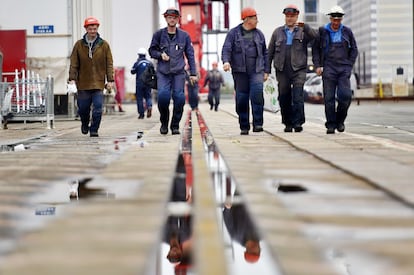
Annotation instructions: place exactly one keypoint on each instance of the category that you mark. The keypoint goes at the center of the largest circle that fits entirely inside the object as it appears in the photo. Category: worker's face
(335, 23)
(252, 21)
(92, 31)
(171, 20)
(291, 19)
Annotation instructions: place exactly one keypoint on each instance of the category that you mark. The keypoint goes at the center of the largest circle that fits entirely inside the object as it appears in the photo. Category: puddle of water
(53, 201)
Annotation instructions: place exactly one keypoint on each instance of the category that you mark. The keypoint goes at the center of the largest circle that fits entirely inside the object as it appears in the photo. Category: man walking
(142, 91)
(170, 46)
(214, 80)
(91, 65)
(288, 50)
(245, 54)
(334, 54)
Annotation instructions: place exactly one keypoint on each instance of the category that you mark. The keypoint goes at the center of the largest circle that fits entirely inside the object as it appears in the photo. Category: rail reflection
(245, 250)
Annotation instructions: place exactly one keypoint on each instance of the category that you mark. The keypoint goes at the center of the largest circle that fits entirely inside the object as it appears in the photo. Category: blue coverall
(248, 60)
(171, 74)
(336, 52)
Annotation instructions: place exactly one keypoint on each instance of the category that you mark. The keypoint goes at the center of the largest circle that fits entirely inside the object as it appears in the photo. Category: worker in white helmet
(142, 89)
(334, 55)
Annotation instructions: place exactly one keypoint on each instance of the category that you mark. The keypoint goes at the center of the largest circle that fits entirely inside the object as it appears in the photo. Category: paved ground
(355, 218)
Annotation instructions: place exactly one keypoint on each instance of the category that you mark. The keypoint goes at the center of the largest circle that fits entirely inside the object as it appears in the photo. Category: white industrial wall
(46, 53)
(125, 24)
(395, 38)
(134, 22)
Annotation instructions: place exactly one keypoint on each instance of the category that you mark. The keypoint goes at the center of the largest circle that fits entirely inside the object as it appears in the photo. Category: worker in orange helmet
(244, 52)
(91, 69)
(288, 50)
(242, 230)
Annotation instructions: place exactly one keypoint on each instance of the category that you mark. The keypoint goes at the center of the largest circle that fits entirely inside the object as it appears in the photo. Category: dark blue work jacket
(176, 48)
(327, 54)
(234, 50)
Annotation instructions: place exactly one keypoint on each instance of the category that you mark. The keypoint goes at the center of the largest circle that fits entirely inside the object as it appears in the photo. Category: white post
(39, 89)
(16, 81)
(33, 88)
(29, 90)
(24, 97)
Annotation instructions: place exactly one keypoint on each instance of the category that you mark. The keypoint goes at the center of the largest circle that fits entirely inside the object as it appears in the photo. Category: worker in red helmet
(91, 69)
(171, 46)
(244, 52)
(288, 51)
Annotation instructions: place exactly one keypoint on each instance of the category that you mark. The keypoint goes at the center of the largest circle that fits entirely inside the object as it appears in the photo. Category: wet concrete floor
(322, 203)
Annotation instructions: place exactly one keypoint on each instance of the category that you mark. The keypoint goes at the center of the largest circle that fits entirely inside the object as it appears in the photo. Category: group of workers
(244, 53)
(334, 52)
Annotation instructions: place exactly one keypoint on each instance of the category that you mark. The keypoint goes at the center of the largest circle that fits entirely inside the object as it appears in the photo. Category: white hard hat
(142, 51)
(336, 12)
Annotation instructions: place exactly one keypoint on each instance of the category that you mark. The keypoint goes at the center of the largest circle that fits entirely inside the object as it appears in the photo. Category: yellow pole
(381, 91)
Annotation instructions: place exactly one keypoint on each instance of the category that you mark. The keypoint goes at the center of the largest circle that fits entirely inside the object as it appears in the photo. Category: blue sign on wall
(43, 29)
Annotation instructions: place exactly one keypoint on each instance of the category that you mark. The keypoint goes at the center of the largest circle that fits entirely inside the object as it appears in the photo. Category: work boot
(330, 131)
(340, 127)
(288, 129)
(164, 130)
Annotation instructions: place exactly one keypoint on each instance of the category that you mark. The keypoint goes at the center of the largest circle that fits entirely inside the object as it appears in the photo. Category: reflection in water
(78, 189)
(242, 230)
(177, 248)
(245, 251)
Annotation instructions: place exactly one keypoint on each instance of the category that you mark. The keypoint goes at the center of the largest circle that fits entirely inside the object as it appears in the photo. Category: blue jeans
(143, 92)
(193, 95)
(336, 89)
(249, 87)
(87, 100)
(171, 86)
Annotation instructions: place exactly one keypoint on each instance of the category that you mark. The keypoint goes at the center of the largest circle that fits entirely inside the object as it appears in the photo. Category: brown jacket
(91, 73)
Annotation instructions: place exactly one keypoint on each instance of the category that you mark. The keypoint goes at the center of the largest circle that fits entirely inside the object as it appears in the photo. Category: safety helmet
(250, 257)
(336, 12)
(91, 21)
(142, 51)
(247, 12)
(291, 9)
(172, 12)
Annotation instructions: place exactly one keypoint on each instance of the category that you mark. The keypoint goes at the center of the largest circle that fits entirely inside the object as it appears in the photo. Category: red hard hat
(291, 9)
(250, 257)
(91, 21)
(246, 12)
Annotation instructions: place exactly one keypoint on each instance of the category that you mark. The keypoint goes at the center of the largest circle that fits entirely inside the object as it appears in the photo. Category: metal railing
(27, 98)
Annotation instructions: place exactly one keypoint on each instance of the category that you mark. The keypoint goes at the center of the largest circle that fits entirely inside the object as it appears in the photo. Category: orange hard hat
(91, 21)
(250, 257)
(247, 12)
(291, 9)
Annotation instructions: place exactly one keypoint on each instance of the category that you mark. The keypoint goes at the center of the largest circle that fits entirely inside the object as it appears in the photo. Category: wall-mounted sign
(40, 29)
